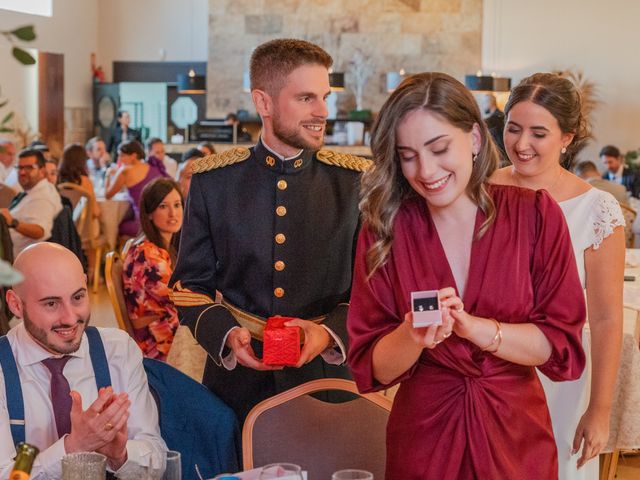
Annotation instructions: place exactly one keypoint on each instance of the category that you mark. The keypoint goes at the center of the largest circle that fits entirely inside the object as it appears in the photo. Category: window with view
(34, 7)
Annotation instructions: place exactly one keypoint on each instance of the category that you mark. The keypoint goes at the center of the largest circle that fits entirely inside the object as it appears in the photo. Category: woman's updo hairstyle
(560, 97)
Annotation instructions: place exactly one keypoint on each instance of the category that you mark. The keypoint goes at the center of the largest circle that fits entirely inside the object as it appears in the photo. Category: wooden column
(51, 101)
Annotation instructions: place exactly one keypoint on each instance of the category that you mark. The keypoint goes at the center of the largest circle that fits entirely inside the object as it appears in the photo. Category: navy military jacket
(274, 237)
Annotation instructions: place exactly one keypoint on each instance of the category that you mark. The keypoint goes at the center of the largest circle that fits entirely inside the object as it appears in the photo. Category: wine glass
(173, 471)
(84, 466)
(352, 474)
(289, 471)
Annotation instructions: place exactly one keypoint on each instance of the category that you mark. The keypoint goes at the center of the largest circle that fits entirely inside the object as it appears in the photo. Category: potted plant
(25, 34)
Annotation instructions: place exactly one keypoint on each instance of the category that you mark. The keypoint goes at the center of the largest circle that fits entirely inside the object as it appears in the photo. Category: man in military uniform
(273, 229)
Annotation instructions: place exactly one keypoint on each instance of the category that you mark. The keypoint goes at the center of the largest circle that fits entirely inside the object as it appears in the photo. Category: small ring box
(426, 308)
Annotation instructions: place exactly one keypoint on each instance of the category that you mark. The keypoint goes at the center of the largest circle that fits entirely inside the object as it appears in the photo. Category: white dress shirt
(145, 445)
(616, 177)
(41, 206)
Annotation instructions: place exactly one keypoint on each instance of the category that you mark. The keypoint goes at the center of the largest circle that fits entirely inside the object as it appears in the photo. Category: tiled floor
(102, 316)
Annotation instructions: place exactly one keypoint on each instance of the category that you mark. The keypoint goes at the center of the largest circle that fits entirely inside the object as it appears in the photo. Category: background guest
(122, 133)
(51, 172)
(494, 118)
(184, 171)
(32, 212)
(7, 159)
(206, 148)
(155, 148)
(242, 136)
(615, 170)
(148, 267)
(9, 166)
(589, 173)
(73, 169)
(545, 129)
(133, 174)
(98, 158)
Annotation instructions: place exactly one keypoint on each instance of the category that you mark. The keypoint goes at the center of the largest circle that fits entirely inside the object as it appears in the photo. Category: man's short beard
(292, 137)
(40, 334)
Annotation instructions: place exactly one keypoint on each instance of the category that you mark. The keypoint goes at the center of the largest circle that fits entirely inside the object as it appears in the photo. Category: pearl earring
(474, 157)
(564, 150)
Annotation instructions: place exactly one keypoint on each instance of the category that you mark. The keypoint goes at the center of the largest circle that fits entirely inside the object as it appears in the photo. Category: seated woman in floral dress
(148, 266)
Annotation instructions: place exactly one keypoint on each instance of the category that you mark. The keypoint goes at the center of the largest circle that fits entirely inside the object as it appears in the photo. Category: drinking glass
(84, 466)
(174, 467)
(352, 475)
(288, 471)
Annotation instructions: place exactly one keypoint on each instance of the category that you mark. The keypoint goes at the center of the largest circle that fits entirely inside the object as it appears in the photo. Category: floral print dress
(146, 273)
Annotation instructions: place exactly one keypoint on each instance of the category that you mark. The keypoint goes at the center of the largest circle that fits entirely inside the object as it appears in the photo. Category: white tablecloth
(625, 412)
(112, 212)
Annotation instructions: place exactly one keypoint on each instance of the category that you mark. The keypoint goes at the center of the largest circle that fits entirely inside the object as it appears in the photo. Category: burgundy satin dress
(461, 413)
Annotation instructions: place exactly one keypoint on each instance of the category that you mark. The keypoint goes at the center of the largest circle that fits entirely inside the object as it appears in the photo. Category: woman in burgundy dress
(470, 405)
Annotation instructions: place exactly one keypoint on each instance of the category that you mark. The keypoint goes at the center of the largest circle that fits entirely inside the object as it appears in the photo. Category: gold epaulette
(183, 297)
(219, 160)
(344, 160)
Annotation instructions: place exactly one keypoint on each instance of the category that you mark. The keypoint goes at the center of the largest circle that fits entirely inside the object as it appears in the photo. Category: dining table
(112, 212)
(624, 433)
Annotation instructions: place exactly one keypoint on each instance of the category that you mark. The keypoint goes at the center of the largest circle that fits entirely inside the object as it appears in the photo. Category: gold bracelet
(497, 339)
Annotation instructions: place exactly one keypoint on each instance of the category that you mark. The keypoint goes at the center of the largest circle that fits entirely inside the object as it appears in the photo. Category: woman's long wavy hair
(73, 164)
(384, 187)
(152, 196)
(563, 99)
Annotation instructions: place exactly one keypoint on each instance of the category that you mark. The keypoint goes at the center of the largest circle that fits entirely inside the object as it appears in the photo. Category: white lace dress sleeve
(607, 216)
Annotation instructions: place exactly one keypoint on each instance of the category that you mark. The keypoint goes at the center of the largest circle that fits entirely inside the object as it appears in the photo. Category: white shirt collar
(281, 157)
(39, 186)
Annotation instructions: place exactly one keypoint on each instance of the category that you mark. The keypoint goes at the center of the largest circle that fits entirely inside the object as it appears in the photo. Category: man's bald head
(53, 300)
(47, 261)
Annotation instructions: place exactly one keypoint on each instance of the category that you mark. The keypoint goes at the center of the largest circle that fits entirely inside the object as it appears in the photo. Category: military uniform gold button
(279, 292)
(281, 211)
(280, 238)
(279, 265)
(282, 184)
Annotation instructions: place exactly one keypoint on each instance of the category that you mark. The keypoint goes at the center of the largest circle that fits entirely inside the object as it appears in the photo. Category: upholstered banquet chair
(321, 437)
(113, 276)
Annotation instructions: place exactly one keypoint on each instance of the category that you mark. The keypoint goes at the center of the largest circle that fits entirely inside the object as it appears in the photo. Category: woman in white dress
(544, 129)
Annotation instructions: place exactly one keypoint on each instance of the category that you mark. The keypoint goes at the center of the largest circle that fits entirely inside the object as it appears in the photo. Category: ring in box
(426, 308)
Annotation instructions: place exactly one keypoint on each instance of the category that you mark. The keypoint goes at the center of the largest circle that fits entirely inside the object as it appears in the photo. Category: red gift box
(281, 344)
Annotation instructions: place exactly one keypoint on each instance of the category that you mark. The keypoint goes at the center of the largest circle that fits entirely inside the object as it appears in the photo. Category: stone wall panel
(417, 35)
